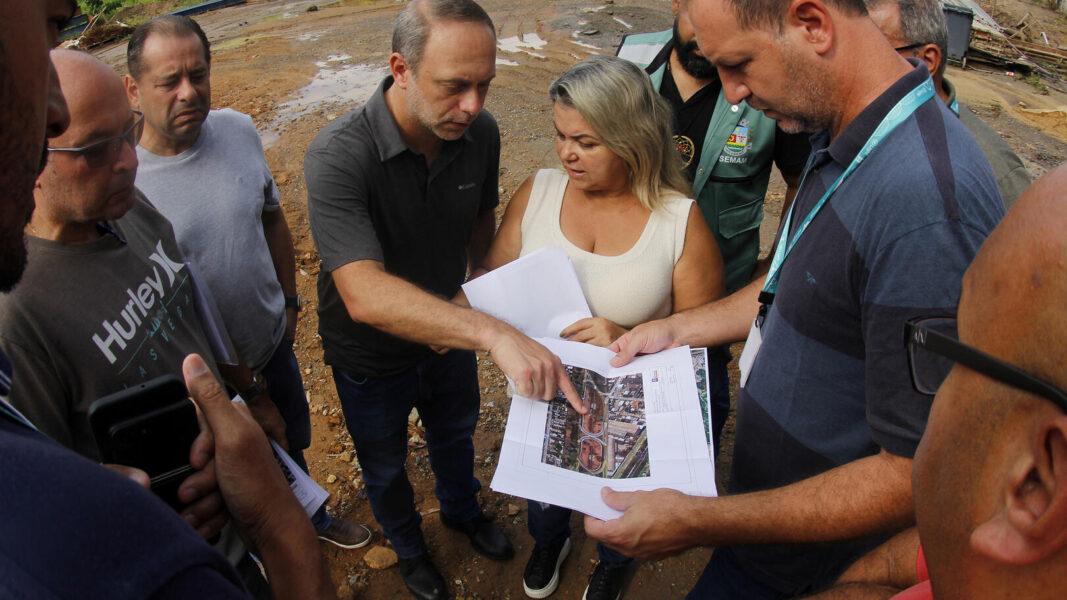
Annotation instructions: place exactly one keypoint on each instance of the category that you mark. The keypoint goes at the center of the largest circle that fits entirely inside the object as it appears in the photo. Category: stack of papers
(537, 294)
(646, 429)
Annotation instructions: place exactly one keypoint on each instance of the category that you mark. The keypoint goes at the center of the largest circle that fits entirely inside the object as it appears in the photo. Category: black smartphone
(150, 426)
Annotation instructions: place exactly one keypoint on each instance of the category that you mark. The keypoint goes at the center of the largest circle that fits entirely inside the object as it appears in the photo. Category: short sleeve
(338, 207)
(271, 196)
(904, 283)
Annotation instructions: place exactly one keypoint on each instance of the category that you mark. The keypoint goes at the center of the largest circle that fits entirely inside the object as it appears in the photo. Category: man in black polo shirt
(400, 198)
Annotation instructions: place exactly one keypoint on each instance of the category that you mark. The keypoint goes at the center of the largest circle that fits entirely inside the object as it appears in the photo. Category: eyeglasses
(105, 152)
(933, 346)
(911, 47)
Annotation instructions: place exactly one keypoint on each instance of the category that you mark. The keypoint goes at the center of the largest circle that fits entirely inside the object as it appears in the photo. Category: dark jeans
(549, 524)
(718, 391)
(723, 579)
(444, 389)
(286, 388)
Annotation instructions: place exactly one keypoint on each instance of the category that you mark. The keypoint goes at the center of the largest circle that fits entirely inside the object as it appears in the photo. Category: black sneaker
(605, 584)
(542, 570)
(422, 578)
(485, 535)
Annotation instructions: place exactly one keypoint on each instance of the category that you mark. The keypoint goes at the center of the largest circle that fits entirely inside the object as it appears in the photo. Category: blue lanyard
(899, 113)
(955, 106)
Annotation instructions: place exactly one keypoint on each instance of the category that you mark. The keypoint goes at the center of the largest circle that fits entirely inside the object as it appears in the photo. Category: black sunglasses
(933, 346)
(104, 152)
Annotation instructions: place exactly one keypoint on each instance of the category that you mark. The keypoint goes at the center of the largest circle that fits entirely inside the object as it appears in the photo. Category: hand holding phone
(150, 426)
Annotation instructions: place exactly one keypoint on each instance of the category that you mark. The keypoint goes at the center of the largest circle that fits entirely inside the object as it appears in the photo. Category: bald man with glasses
(106, 301)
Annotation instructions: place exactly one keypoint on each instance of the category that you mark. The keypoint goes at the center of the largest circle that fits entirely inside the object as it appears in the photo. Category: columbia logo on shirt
(466, 186)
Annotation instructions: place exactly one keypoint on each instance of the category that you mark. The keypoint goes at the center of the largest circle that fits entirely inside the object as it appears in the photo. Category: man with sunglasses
(917, 29)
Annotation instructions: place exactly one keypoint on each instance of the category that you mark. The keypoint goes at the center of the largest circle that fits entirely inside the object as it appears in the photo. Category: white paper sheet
(538, 294)
(310, 494)
(650, 435)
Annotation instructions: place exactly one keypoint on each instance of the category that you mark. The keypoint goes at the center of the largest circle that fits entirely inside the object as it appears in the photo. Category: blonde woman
(640, 246)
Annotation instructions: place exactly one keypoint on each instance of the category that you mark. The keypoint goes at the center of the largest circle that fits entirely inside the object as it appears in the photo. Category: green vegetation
(107, 8)
(104, 7)
(1035, 80)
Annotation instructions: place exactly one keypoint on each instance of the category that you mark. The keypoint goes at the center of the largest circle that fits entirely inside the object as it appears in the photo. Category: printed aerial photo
(610, 441)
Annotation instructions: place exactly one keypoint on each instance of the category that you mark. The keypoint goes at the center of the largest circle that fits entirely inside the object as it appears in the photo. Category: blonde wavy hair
(616, 99)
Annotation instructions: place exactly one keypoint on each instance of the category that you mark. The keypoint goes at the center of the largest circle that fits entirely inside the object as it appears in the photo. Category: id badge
(748, 355)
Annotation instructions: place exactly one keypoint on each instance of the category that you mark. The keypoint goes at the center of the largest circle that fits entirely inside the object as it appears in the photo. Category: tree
(100, 8)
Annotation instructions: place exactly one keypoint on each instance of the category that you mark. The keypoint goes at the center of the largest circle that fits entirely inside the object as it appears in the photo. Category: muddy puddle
(339, 86)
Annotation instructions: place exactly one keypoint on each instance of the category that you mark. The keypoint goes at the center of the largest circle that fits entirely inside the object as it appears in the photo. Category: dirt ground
(296, 65)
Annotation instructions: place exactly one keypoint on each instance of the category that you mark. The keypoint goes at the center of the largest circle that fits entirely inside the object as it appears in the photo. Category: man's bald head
(990, 475)
(1020, 276)
(78, 189)
(89, 86)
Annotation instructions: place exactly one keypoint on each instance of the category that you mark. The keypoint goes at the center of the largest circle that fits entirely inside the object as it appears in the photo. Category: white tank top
(629, 289)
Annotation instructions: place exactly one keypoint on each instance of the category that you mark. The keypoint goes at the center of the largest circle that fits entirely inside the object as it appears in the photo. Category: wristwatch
(293, 302)
(258, 387)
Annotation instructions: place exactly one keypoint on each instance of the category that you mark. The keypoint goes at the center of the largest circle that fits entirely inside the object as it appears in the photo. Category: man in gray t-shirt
(205, 171)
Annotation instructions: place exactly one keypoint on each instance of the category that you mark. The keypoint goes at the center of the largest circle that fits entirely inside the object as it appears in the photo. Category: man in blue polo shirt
(894, 203)
(727, 150)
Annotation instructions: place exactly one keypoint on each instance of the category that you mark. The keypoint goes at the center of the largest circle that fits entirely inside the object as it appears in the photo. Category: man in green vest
(727, 150)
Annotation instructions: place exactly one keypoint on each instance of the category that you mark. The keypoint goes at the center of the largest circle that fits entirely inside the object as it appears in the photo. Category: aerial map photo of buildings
(610, 441)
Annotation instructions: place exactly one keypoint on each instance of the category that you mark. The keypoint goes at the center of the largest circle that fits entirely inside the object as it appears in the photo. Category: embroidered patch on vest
(737, 144)
(685, 148)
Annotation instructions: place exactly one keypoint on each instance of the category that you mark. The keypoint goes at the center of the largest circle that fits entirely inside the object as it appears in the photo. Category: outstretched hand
(653, 524)
(646, 338)
(537, 372)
